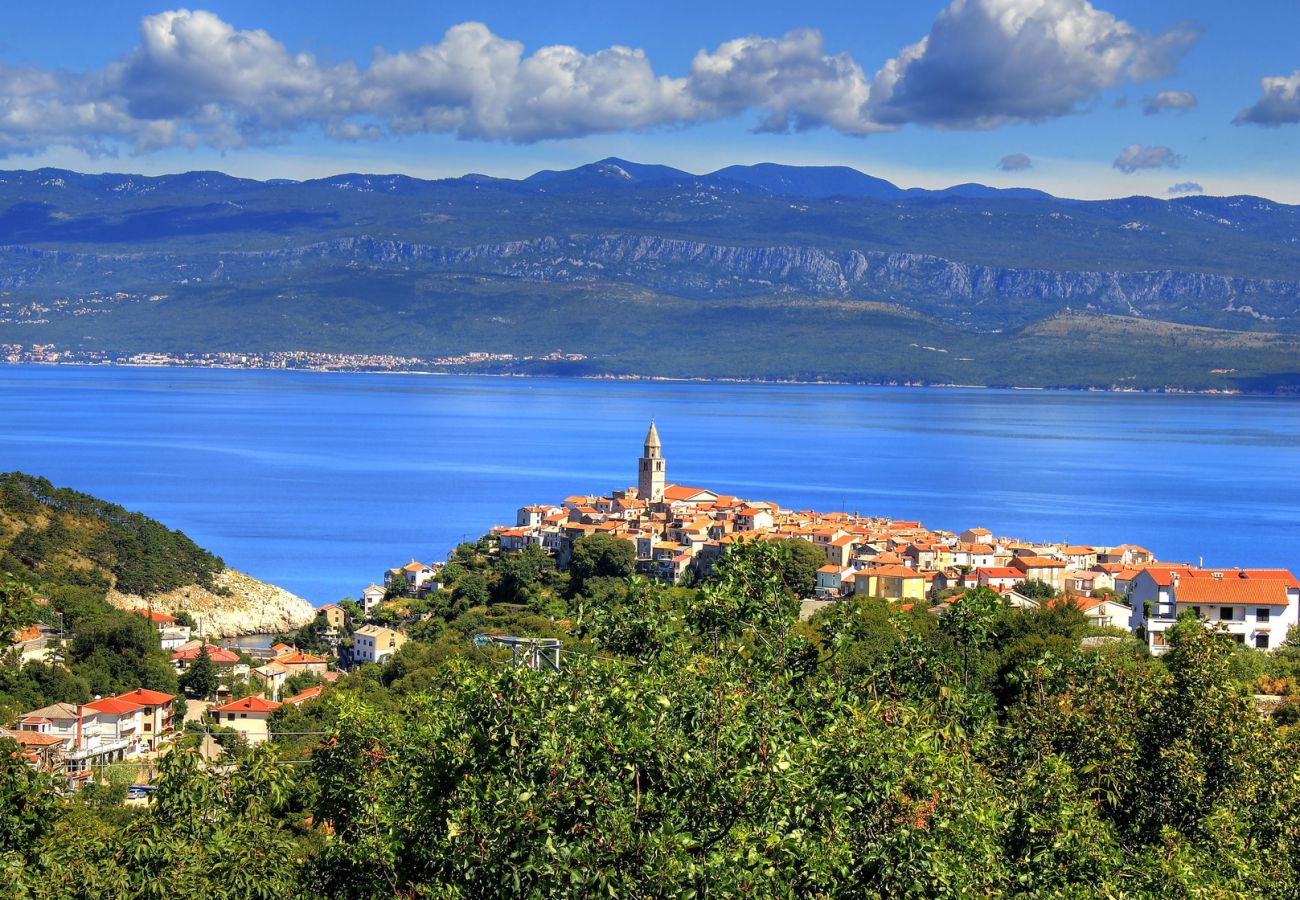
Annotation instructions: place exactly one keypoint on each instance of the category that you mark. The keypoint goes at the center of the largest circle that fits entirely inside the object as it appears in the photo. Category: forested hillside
(61, 536)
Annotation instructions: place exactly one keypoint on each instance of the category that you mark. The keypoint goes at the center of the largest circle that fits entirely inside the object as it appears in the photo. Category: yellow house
(892, 583)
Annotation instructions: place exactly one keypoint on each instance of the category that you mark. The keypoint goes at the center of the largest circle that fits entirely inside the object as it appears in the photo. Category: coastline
(683, 379)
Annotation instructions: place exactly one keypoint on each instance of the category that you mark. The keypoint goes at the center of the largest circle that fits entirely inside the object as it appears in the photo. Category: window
(1261, 642)
(243, 715)
(230, 717)
(1196, 610)
(1239, 638)
(1262, 614)
(1226, 614)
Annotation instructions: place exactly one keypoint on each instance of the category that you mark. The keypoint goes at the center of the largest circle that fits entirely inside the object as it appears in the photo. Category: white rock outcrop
(240, 604)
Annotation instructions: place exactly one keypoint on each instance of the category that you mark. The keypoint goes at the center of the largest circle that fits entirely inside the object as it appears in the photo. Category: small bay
(318, 481)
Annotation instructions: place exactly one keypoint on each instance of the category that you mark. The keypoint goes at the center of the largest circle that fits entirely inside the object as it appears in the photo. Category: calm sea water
(318, 482)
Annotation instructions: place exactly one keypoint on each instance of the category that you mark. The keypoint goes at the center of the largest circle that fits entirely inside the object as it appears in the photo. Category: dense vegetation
(703, 742)
(66, 536)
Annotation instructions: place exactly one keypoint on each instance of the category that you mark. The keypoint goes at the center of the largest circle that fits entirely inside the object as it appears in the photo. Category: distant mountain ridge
(388, 262)
(766, 178)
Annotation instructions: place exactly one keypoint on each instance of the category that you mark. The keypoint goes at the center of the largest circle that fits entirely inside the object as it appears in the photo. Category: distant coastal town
(679, 531)
(49, 354)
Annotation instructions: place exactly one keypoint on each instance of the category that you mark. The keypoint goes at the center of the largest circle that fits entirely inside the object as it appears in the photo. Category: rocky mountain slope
(235, 604)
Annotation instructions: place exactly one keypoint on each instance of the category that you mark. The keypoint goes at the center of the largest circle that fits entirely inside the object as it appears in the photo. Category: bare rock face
(238, 604)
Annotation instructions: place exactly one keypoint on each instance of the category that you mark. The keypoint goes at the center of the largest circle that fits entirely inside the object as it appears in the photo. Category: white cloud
(1278, 105)
(987, 63)
(1186, 187)
(195, 80)
(1015, 162)
(790, 80)
(1179, 101)
(1135, 157)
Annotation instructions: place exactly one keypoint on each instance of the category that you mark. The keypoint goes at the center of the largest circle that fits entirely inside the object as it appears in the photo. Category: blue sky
(1083, 99)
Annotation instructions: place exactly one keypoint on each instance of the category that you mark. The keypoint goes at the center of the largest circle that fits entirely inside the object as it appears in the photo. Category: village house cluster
(74, 740)
(678, 530)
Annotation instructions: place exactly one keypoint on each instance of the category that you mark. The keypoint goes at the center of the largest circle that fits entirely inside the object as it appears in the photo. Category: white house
(1255, 606)
(374, 643)
(248, 716)
(371, 597)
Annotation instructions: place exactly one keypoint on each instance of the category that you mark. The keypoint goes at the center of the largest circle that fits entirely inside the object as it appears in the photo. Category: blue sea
(318, 482)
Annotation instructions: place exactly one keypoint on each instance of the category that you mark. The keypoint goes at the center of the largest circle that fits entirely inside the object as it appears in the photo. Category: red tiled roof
(1263, 591)
(310, 693)
(219, 655)
(146, 697)
(1283, 575)
(248, 704)
(1036, 562)
(30, 633)
(35, 738)
(999, 572)
(298, 659)
(113, 706)
(155, 617)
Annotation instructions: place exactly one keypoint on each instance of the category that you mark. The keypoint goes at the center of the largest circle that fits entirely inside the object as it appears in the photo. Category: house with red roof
(303, 696)
(221, 656)
(1255, 606)
(156, 709)
(247, 715)
(1041, 568)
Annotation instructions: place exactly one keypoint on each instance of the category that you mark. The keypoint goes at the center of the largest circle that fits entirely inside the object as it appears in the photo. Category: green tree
(470, 591)
(801, 570)
(600, 556)
(971, 621)
(1035, 589)
(17, 607)
(200, 679)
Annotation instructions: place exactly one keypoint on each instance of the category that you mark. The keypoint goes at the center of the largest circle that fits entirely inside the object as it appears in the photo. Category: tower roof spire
(652, 436)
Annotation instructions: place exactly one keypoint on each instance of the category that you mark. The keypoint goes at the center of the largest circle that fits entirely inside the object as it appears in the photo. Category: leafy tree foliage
(703, 742)
(801, 570)
(200, 679)
(600, 556)
(1036, 589)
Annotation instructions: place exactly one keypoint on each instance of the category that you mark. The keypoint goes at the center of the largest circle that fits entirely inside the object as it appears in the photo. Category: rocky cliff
(956, 291)
(240, 604)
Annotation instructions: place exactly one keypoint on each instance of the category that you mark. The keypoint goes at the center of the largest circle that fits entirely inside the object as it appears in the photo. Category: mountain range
(600, 259)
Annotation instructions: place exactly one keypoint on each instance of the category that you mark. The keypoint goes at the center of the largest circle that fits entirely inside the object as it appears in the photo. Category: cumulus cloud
(1186, 187)
(1015, 162)
(1179, 101)
(1135, 157)
(1278, 105)
(195, 79)
(987, 63)
(791, 80)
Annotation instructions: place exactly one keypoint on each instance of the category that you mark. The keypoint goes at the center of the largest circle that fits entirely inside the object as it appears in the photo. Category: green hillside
(58, 536)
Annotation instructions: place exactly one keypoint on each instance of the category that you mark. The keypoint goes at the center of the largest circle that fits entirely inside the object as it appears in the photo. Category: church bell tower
(650, 476)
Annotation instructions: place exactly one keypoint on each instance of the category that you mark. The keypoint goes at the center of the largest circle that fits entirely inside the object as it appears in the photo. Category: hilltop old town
(677, 533)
